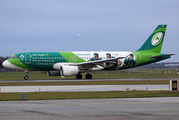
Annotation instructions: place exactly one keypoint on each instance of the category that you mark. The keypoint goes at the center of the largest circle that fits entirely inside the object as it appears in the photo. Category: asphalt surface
(81, 88)
(162, 108)
(75, 80)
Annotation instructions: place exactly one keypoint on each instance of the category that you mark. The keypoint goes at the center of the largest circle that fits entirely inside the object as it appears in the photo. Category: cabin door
(27, 58)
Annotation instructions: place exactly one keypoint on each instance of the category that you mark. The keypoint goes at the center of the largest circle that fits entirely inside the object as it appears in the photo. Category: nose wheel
(26, 77)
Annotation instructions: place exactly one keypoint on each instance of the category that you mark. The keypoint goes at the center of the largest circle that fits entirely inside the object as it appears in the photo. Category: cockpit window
(14, 57)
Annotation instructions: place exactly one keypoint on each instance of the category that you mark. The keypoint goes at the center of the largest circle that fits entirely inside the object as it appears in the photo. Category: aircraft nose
(9, 65)
(6, 64)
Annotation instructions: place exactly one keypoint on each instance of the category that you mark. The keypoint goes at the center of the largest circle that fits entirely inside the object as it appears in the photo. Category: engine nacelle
(69, 70)
(58, 65)
(53, 73)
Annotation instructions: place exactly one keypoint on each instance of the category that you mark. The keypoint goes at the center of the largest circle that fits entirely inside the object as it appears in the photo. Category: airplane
(66, 63)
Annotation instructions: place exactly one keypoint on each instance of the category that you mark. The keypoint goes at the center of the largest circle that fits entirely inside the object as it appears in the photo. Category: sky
(86, 25)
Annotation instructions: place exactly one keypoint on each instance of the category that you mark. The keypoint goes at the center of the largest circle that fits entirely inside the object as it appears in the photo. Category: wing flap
(97, 62)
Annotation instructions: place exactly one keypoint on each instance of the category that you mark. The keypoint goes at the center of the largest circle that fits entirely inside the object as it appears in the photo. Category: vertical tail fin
(155, 40)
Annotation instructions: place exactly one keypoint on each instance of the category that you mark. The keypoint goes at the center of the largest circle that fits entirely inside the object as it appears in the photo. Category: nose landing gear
(26, 77)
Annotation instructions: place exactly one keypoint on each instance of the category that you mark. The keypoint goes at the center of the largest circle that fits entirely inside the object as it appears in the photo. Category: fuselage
(47, 60)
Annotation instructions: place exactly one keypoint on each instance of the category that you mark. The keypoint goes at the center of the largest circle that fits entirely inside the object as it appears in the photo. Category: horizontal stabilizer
(160, 56)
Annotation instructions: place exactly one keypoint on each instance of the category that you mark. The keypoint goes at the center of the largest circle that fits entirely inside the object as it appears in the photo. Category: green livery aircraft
(75, 63)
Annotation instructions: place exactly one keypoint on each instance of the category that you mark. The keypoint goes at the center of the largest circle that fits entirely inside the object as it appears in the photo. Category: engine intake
(69, 70)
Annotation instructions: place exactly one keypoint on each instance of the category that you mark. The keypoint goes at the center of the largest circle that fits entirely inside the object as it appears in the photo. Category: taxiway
(75, 80)
(81, 88)
(161, 108)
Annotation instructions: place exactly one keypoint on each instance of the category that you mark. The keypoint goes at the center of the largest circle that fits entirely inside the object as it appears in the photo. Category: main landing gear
(79, 76)
(88, 76)
(26, 77)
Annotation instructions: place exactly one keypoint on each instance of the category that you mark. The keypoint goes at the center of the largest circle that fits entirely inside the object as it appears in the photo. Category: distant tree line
(2, 59)
(161, 65)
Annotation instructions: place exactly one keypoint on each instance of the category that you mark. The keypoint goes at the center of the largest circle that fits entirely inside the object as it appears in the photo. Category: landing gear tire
(88, 76)
(26, 78)
(78, 76)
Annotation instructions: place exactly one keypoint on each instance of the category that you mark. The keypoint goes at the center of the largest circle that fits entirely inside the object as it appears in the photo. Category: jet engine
(69, 70)
(53, 73)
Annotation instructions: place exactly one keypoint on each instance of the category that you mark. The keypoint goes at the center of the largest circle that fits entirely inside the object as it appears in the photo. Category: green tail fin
(155, 40)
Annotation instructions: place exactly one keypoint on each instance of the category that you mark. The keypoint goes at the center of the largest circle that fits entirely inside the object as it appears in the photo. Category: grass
(146, 82)
(131, 73)
(134, 73)
(85, 95)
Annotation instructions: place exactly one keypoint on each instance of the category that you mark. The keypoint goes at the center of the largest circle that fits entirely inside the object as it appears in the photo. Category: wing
(90, 64)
